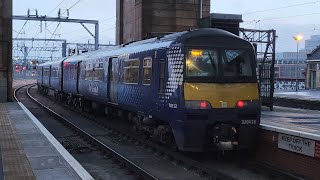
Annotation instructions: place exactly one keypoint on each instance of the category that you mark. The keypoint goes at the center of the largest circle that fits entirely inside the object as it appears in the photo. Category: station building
(312, 43)
(313, 69)
(288, 67)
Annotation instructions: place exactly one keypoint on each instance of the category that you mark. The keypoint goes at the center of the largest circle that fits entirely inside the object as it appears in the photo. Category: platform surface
(293, 121)
(309, 95)
(29, 153)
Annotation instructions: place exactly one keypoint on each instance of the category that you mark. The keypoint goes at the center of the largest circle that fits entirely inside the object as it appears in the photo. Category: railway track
(107, 151)
(202, 169)
(180, 169)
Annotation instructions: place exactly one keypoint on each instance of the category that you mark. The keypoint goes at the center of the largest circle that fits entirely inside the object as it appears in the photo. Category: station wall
(5, 50)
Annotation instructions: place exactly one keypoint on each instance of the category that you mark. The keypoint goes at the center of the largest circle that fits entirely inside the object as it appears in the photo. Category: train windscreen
(220, 65)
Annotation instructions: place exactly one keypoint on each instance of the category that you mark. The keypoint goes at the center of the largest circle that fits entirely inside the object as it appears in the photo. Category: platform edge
(75, 165)
(290, 132)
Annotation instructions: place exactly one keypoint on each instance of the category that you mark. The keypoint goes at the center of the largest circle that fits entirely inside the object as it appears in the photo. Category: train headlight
(197, 105)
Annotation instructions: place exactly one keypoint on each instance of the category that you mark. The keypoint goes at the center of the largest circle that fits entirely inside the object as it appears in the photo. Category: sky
(287, 17)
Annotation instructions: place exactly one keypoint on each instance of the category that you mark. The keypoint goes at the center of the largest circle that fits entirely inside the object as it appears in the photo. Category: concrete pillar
(5, 50)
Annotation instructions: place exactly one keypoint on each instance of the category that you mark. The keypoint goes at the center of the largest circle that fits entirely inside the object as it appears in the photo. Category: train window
(98, 72)
(162, 76)
(236, 63)
(74, 71)
(89, 72)
(59, 70)
(54, 72)
(71, 70)
(131, 71)
(39, 72)
(202, 63)
(46, 72)
(147, 71)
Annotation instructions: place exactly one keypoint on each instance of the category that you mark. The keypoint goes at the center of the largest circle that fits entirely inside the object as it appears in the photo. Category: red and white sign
(296, 144)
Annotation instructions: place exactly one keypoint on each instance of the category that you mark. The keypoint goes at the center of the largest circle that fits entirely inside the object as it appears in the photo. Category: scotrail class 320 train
(197, 89)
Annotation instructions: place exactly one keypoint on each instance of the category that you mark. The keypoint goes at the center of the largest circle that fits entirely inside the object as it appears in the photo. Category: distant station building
(140, 19)
(288, 68)
(313, 69)
(312, 43)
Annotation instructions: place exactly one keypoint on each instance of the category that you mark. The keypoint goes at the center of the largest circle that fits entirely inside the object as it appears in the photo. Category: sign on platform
(296, 144)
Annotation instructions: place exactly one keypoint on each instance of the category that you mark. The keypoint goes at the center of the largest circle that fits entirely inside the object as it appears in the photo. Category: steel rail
(135, 168)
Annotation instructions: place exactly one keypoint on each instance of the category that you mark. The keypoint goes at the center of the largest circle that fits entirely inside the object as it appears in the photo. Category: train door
(162, 70)
(61, 75)
(78, 68)
(160, 79)
(49, 75)
(41, 75)
(113, 77)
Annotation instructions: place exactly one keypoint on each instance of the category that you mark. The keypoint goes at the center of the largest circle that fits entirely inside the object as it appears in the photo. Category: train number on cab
(248, 122)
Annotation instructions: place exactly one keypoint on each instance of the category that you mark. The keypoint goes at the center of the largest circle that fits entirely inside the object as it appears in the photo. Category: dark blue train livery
(197, 89)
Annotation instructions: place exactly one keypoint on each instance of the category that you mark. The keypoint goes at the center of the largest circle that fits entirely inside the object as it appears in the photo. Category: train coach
(197, 89)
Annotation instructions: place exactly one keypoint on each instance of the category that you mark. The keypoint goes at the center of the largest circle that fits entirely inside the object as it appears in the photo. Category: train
(197, 90)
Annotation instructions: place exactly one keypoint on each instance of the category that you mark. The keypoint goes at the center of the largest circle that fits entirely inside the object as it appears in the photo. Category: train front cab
(220, 98)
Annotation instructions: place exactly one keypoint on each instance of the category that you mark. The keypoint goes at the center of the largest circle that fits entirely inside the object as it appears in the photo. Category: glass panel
(220, 65)
(147, 62)
(147, 74)
(127, 63)
(98, 74)
(89, 72)
(131, 75)
(46, 71)
(236, 63)
(135, 62)
(54, 72)
(132, 63)
(131, 71)
(147, 71)
(202, 63)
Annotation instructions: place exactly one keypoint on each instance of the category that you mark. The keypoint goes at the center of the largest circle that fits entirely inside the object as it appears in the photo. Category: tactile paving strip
(15, 163)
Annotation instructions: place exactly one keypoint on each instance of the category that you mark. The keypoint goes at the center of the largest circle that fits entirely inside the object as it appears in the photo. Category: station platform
(289, 139)
(29, 151)
(293, 120)
(310, 95)
(305, 99)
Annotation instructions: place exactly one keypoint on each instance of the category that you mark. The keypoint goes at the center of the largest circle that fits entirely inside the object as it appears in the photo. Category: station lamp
(297, 38)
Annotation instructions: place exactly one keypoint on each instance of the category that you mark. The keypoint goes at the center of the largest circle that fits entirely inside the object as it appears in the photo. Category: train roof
(55, 62)
(156, 43)
(160, 42)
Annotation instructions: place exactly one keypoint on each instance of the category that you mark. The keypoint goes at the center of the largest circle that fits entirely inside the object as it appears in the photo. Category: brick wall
(5, 50)
(137, 19)
(268, 152)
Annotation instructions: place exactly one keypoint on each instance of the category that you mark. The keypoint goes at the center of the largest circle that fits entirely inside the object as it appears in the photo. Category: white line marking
(65, 154)
(290, 132)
